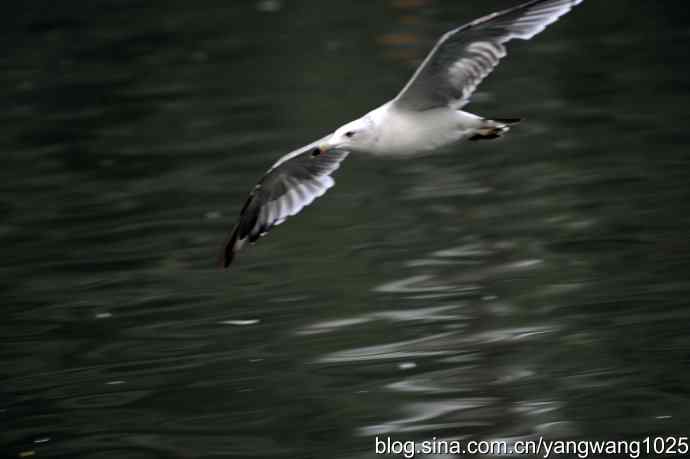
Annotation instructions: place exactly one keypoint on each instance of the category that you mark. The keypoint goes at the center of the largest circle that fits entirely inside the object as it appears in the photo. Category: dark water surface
(536, 285)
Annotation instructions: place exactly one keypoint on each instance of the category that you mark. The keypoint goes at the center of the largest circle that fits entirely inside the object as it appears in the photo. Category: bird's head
(354, 136)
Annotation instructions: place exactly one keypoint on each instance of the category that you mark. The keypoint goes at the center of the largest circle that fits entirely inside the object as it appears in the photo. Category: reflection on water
(531, 286)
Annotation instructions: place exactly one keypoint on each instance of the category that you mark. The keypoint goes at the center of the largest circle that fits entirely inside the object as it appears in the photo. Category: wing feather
(291, 184)
(463, 57)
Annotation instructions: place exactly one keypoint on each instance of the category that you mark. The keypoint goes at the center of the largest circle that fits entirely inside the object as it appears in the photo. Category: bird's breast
(403, 133)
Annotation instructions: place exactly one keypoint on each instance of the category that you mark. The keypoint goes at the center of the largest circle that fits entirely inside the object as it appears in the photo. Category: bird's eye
(350, 134)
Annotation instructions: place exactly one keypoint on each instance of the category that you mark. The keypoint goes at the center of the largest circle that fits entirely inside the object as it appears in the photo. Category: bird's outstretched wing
(463, 57)
(292, 183)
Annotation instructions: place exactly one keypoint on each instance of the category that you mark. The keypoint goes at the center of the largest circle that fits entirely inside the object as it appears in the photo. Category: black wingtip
(227, 254)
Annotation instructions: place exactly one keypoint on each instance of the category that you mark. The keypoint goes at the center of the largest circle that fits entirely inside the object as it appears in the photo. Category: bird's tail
(494, 128)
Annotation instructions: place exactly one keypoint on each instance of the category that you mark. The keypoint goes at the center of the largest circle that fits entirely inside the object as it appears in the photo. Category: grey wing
(463, 57)
(292, 183)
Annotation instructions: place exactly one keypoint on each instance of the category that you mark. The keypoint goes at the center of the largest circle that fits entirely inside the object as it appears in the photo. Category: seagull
(424, 117)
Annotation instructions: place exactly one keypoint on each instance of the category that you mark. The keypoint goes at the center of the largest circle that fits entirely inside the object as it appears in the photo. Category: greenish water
(536, 285)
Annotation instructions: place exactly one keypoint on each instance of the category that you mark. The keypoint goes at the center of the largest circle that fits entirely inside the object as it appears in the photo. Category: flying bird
(425, 116)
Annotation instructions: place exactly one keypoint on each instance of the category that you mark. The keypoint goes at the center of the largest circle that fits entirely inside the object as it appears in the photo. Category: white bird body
(403, 132)
(424, 117)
